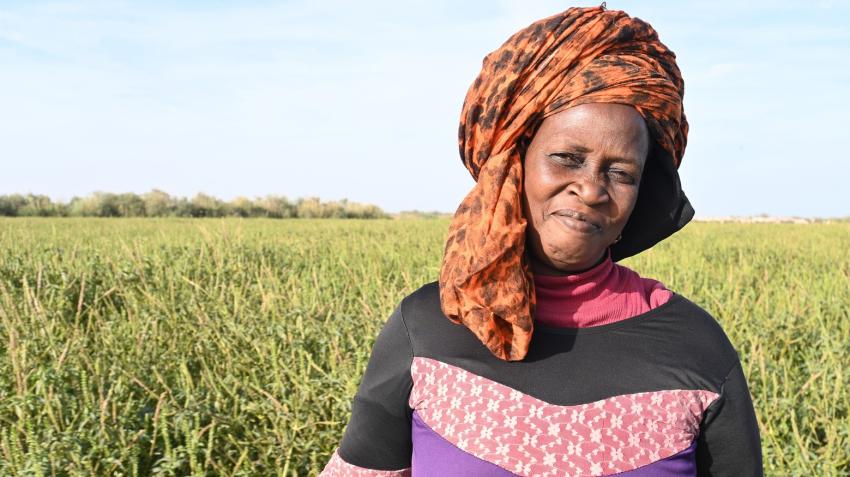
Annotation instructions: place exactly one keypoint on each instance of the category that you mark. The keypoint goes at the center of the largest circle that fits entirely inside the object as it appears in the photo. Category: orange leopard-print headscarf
(583, 55)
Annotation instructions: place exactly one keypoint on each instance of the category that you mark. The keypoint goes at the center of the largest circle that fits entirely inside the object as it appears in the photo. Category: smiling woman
(566, 363)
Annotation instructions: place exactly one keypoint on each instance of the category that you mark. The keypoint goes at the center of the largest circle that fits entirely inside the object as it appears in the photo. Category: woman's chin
(577, 261)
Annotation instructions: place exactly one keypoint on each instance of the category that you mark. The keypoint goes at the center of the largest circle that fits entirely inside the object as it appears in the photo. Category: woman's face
(582, 171)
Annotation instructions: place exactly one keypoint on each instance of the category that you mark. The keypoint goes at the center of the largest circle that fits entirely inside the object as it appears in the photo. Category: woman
(573, 130)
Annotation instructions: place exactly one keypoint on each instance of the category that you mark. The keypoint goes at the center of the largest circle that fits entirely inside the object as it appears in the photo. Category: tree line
(157, 203)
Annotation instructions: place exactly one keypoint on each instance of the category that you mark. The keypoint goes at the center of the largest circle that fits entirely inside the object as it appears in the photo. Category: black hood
(661, 208)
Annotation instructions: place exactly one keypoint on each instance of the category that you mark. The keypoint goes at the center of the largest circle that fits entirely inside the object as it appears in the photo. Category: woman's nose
(590, 188)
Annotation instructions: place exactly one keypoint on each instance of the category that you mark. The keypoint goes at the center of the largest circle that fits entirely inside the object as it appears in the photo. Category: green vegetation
(234, 347)
(157, 203)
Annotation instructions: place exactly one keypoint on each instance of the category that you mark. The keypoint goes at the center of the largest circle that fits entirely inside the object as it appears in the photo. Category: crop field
(234, 346)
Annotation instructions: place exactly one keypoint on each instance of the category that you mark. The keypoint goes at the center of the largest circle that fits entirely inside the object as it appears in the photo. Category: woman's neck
(539, 267)
(603, 294)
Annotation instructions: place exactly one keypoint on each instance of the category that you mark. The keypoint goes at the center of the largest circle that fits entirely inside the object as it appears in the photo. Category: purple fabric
(433, 455)
(682, 464)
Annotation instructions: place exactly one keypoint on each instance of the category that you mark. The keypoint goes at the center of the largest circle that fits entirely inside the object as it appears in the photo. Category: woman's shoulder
(700, 332)
(691, 315)
(424, 298)
(699, 319)
(421, 310)
(431, 332)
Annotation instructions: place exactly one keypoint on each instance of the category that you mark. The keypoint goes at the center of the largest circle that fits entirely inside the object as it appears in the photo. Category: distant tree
(37, 206)
(207, 206)
(106, 204)
(130, 205)
(278, 207)
(334, 210)
(82, 207)
(183, 207)
(159, 204)
(244, 207)
(309, 208)
(11, 205)
(418, 214)
(354, 210)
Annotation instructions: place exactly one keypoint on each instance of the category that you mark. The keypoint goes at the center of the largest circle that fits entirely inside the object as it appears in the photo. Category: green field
(234, 347)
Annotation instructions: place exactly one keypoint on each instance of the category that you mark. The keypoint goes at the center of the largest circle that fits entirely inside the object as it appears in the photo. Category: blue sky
(362, 99)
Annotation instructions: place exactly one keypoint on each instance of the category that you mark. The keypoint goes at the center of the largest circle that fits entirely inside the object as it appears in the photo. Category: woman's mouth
(577, 221)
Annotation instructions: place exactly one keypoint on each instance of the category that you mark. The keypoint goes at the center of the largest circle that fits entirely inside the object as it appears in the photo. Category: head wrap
(583, 55)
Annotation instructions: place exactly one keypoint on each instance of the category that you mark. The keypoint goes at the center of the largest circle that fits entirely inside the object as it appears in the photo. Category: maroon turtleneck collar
(604, 294)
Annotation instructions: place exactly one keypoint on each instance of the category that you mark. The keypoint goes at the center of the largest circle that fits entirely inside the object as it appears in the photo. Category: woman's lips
(576, 221)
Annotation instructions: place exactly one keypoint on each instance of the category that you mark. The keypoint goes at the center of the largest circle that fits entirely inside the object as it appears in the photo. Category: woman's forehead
(589, 125)
(598, 114)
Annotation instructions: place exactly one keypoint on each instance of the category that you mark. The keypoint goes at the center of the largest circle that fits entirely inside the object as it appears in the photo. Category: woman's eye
(567, 159)
(622, 176)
